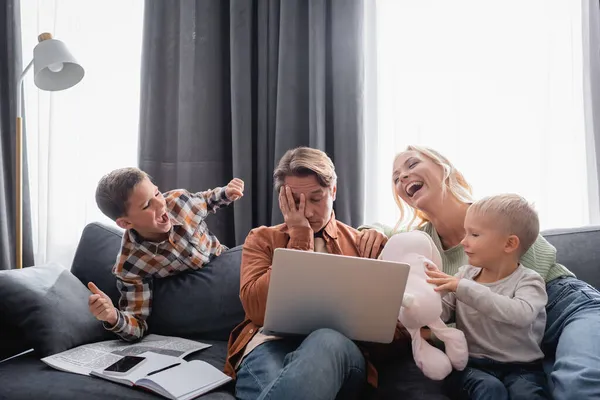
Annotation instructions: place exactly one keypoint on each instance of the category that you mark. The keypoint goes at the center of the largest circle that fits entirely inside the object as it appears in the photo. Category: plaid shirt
(190, 245)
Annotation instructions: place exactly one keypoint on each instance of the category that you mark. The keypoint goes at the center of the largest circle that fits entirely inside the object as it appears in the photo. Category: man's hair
(515, 214)
(114, 189)
(305, 161)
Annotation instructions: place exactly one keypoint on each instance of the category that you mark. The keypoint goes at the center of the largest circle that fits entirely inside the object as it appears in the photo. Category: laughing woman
(426, 183)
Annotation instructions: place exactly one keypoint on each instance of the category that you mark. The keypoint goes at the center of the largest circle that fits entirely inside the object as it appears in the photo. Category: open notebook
(187, 380)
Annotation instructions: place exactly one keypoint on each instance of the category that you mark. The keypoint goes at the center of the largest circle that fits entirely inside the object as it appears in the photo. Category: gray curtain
(229, 86)
(10, 69)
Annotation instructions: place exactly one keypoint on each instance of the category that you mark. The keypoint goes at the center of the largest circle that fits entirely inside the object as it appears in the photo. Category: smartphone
(125, 365)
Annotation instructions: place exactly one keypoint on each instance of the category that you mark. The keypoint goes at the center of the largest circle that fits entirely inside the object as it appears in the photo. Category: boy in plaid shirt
(165, 234)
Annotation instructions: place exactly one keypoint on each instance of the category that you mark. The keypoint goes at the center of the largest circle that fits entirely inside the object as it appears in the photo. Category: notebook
(171, 377)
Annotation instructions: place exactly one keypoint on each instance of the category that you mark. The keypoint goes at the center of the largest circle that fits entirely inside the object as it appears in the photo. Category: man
(324, 364)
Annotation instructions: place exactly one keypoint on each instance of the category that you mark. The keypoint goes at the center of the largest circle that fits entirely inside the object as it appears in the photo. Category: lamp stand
(19, 168)
(55, 69)
(19, 175)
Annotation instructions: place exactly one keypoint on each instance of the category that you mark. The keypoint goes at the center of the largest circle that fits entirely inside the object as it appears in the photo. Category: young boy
(498, 303)
(165, 234)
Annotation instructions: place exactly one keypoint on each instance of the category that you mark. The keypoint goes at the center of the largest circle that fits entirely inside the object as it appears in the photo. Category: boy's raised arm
(222, 196)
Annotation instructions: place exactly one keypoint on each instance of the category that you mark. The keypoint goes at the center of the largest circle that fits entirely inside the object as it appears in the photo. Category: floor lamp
(54, 69)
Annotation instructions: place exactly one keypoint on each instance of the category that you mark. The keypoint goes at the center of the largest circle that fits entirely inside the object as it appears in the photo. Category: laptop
(358, 297)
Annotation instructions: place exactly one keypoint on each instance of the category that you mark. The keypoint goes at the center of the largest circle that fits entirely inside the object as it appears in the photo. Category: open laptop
(358, 297)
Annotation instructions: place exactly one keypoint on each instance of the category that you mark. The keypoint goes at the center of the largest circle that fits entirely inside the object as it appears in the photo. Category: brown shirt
(257, 256)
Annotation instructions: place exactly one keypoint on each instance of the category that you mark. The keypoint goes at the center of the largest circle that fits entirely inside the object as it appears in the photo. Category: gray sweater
(503, 320)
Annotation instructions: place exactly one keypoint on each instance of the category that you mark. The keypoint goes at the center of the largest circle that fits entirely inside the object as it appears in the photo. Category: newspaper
(83, 359)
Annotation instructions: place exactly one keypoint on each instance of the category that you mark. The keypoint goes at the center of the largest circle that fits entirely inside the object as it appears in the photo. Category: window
(76, 136)
(494, 86)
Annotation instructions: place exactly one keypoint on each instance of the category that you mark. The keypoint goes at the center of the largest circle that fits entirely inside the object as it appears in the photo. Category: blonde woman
(433, 196)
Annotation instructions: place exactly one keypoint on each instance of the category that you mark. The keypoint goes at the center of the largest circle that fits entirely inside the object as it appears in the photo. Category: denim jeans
(325, 365)
(486, 379)
(573, 338)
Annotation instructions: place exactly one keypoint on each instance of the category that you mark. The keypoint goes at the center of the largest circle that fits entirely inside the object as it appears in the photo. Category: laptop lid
(358, 297)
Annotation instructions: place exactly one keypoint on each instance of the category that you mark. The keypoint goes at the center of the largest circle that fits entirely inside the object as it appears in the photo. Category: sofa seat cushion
(12, 340)
(26, 377)
(402, 379)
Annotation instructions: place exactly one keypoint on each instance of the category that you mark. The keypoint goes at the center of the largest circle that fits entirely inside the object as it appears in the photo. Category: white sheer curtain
(495, 86)
(76, 136)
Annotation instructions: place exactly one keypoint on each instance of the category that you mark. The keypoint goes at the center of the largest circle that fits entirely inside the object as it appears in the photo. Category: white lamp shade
(54, 66)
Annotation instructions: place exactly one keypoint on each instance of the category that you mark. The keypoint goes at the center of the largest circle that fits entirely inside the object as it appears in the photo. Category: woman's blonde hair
(454, 182)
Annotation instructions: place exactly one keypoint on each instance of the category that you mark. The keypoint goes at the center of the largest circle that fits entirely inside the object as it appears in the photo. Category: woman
(426, 183)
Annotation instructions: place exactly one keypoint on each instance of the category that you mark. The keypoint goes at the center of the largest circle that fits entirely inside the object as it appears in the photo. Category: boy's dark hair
(114, 189)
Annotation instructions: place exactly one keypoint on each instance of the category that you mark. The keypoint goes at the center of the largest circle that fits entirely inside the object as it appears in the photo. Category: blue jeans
(325, 365)
(573, 337)
(486, 379)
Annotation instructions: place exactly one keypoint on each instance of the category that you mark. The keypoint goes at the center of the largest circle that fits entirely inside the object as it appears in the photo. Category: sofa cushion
(50, 306)
(578, 250)
(95, 257)
(203, 303)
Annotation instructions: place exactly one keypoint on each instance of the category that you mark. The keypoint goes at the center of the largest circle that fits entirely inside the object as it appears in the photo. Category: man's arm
(255, 274)
(134, 308)
(257, 255)
(521, 310)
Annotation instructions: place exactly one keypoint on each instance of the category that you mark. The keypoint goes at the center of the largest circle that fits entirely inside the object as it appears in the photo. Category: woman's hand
(444, 282)
(292, 215)
(371, 242)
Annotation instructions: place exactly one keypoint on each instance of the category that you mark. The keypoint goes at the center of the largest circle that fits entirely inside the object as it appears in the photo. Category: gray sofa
(46, 314)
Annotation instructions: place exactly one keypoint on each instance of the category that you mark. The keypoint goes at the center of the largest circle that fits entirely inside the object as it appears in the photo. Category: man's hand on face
(293, 216)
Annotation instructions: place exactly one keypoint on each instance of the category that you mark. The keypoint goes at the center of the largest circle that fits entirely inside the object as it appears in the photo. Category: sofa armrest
(578, 250)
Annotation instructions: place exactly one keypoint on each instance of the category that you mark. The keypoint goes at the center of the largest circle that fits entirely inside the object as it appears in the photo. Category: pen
(162, 369)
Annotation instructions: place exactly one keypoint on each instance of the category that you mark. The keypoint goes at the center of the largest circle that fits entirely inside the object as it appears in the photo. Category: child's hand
(443, 281)
(235, 189)
(431, 266)
(101, 305)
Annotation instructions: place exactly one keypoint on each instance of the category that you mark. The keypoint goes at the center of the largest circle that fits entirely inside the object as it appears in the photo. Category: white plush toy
(422, 306)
